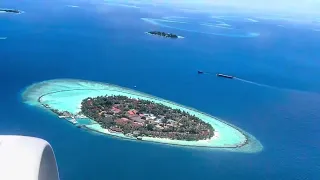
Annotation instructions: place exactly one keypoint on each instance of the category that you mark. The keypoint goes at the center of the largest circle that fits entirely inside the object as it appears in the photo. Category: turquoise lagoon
(67, 94)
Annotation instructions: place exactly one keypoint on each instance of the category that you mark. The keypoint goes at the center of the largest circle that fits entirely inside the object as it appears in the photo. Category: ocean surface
(276, 98)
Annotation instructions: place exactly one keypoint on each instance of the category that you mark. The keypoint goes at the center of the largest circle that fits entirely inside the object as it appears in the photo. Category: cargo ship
(225, 76)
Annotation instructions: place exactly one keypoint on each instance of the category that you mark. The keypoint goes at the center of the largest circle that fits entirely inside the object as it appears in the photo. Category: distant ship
(225, 76)
(10, 11)
(200, 72)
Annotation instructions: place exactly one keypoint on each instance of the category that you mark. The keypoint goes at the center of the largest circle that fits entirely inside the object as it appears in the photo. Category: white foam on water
(273, 87)
(123, 5)
(252, 20)
(175, 17)
(72, 6)
(171, 21)
(221, 23)
(150, 21)
(217, 17)
(254, 83)
(223, 27)
(253, 34)
(207, 24)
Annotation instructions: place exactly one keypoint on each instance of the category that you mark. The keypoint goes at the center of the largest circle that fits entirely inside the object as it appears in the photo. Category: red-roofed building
(122, 121)
(137, 124)
(136, 118)
(115, 129)
(132, 112)
(115, 110)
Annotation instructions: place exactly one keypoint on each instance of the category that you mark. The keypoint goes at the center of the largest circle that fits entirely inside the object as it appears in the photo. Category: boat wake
(276, 87)
(255, 83)
(236, 78)
(3, 38)
(122, 5)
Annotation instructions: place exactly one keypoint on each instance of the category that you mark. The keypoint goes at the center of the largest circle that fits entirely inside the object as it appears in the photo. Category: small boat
(200, 72)
(139, 138)
(225, 76)
(79, 126)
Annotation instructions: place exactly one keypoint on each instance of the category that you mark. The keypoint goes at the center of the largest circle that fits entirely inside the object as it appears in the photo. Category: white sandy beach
(67, 94)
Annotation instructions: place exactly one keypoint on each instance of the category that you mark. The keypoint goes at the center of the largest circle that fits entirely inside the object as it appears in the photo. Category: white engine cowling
(26, 158)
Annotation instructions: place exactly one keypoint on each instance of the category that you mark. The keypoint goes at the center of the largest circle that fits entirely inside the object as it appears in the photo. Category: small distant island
(138, 117)
(163, 34)
(15, 11)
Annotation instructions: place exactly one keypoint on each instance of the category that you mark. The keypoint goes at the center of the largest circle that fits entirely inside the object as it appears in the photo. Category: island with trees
(138, 118)
(129, 114)
(15, 11)
(163, 34)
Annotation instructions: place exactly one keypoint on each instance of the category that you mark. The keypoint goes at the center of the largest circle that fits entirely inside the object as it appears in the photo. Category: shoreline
(216, 133)
(216, 142)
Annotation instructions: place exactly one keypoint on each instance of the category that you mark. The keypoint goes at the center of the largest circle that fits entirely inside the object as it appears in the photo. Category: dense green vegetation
(168, 35)
(138, 117)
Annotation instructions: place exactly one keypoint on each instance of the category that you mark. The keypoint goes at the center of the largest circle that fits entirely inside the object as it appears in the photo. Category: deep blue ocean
(107, 43)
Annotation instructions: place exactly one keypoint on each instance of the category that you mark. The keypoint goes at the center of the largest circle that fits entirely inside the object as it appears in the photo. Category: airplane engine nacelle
(26, 158)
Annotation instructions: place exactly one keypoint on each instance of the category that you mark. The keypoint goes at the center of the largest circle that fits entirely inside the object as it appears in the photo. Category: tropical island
(15, 11)
(138, 117)
(132, 115)
(163, 34)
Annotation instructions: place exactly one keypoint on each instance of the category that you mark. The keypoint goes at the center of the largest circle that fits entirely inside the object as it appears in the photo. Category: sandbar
(67, 94)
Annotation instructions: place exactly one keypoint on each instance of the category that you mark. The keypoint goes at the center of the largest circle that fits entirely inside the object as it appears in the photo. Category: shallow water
(67, 95)
(192, 25)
